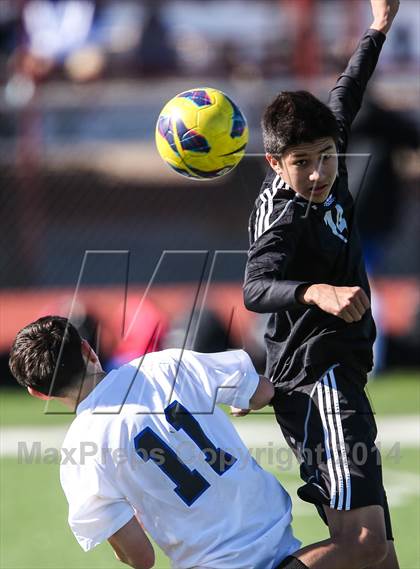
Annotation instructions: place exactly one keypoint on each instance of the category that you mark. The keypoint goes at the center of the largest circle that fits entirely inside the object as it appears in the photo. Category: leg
(358, 540)
(390, 561)
(333, 431)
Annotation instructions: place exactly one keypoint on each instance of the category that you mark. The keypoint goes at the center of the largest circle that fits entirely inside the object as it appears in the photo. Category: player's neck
(87, 386)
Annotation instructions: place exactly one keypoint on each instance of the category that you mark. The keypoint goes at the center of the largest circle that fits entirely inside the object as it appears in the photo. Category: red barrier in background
(399, 300)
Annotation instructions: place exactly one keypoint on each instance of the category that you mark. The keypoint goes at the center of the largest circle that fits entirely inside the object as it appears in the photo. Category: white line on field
(404, 429)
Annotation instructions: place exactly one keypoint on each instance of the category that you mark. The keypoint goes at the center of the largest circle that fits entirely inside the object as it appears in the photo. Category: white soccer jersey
(150, 442)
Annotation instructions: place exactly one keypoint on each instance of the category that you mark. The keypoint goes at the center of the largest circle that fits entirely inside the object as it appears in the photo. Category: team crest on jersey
(336, 221)
(329, 201)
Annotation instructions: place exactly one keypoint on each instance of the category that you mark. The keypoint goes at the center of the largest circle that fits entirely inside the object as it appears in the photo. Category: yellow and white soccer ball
(201, 133)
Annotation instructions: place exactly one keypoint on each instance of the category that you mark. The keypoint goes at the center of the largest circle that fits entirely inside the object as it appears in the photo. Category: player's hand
(346, 302)
(236, 412)
(384, 12)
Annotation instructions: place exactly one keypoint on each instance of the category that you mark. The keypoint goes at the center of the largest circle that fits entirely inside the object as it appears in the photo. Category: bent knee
(367, 548)
(374, 546)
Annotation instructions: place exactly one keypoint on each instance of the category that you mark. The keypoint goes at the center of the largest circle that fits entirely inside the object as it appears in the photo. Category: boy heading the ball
(305, 267)
(149, 448)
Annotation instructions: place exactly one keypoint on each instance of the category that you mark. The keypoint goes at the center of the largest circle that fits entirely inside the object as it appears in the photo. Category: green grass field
(33, 527)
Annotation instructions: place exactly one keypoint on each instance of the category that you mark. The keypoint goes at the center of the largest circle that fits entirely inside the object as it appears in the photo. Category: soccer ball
(201, 133)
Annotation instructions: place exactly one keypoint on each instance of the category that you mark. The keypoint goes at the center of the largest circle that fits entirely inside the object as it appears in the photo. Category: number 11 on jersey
(190, 484)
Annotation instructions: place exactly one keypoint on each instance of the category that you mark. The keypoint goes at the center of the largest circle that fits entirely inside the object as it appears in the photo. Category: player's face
(310, 168)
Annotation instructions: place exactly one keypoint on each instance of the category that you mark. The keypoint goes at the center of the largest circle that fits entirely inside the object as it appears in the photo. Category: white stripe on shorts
(335, 449)
(334, 446)
(327, 445)
(341, 438)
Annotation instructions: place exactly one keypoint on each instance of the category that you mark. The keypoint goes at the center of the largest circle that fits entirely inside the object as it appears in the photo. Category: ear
(38, 394)
(274, 163)
(88, 352)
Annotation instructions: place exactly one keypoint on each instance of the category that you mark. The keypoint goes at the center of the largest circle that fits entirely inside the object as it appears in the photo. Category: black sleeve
(265, 287)
(346, 97)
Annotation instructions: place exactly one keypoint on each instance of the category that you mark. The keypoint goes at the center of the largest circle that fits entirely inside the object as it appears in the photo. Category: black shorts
(330, 426)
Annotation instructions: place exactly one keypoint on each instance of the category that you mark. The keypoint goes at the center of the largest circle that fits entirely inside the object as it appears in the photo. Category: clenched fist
(346, 302)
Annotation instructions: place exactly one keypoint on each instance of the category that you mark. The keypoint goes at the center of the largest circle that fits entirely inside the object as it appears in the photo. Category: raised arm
(347, 95)
(384, 12)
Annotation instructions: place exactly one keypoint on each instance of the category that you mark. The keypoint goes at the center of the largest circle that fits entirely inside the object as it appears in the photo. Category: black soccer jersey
(294, 242)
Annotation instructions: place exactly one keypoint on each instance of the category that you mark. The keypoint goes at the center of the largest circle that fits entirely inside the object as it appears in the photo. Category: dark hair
(295, 117)
(47, 356)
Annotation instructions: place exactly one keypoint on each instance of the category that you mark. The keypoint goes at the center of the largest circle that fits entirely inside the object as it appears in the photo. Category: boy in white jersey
(153, 451)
